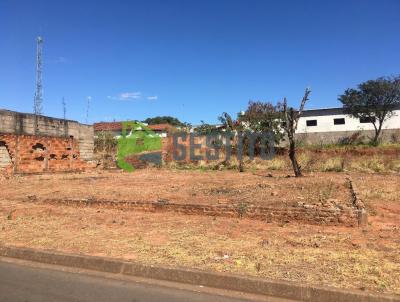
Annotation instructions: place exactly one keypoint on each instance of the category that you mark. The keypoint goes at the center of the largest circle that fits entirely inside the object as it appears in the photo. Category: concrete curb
(281, 289)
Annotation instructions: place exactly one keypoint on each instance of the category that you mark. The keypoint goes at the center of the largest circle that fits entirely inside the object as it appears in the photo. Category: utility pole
(37, 107)
(64, 105)
(89, 98)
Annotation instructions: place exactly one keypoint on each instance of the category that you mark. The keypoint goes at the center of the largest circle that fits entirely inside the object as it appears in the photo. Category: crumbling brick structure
(30, 144)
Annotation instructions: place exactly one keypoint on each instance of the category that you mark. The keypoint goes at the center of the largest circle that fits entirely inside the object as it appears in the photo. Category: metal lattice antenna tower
(37, 107)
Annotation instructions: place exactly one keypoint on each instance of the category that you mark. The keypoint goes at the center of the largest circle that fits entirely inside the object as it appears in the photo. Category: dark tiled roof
(328, 111)
(117, 126)
(325, 111)
(107, 126)
(160, 127)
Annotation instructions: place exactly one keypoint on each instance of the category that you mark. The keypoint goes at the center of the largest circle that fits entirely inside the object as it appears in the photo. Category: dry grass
(341, 257)
(374, 164)
(275, 164)
(334, 164)
(336, 159)
(336, 256)
(394, 165)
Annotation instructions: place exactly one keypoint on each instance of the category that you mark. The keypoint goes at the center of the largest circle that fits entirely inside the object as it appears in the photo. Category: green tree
(205, 128)
(374, 101)
(164, 120)
(234, 127)
(263, 117)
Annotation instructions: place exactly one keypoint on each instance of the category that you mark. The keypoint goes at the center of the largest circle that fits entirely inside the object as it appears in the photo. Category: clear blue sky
(191, 59)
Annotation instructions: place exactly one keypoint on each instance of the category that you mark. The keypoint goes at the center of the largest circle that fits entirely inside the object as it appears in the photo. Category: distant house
(115, 128)
(161, 129)
(331, 125)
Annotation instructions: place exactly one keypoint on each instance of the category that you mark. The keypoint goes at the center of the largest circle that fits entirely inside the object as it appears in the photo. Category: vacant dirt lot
(180, 186)
(366, 258)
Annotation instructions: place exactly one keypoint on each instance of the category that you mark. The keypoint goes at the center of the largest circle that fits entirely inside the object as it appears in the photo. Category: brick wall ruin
(350, 216)
(34, 145)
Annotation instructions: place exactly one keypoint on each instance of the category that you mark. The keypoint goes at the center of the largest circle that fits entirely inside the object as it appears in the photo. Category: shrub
(394, 165)
(354, 139)
(105, 142)
(275, 164)
(334, 164)
(366, 165)
(242, 209)
(395, 138)
(306, 161)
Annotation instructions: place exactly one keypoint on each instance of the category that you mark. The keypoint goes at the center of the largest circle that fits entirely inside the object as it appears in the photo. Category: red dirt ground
(180, 186)
(344, 257)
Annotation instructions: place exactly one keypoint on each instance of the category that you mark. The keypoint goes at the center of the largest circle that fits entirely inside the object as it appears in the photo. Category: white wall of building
(325, 123)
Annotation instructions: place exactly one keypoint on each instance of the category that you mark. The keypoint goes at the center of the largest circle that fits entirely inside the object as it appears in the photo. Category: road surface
(26, 282)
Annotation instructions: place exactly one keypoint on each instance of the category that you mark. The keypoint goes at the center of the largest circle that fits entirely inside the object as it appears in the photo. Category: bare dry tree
(291, 119)
(235, 127)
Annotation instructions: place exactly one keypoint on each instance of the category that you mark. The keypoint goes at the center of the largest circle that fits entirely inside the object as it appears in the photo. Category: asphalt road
(24, 283)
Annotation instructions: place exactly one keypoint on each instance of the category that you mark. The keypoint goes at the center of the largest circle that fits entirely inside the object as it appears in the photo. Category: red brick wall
(35, 154)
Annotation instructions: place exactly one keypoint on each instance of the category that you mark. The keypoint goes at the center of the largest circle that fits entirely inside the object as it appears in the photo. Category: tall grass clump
(333, 164)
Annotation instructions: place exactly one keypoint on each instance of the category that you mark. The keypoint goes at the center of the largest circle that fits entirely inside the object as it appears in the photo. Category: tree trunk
(378, 131)
(292, 118)
(241, 169)
(375, 139)
(292, 156)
